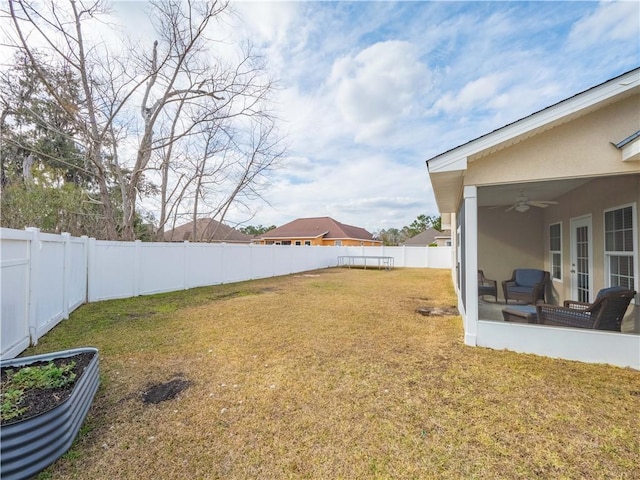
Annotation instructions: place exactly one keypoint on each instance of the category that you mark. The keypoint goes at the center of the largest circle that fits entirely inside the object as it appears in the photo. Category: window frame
(633, 254)
(553, 252)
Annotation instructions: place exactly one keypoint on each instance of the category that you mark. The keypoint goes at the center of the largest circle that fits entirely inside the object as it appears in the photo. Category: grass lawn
(332, 374)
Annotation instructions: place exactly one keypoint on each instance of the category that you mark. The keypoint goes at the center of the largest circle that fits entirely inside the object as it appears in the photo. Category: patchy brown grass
(332, 374)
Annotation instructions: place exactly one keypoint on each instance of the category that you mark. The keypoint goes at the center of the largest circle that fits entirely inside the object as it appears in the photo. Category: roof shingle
(316, 227)
(207, 230)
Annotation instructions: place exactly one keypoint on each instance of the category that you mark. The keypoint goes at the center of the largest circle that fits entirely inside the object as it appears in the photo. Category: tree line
(396, 236)
(95, 135)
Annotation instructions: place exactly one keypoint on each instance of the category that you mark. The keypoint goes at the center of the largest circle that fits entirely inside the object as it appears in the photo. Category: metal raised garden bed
(30, 445)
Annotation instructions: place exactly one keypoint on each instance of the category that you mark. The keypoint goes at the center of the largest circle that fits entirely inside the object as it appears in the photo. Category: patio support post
(471, 265)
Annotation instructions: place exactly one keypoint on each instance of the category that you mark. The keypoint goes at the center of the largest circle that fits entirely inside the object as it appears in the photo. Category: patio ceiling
(506, 195)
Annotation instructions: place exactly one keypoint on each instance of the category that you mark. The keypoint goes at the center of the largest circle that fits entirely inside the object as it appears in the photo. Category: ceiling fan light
(523, 207)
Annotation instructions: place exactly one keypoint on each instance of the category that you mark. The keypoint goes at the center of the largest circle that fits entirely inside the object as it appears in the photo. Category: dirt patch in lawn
(165, 391)
(437, 311)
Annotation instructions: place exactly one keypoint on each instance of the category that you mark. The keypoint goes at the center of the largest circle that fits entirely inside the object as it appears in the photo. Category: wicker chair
(526, 284)
(486, 286)
(605, 313)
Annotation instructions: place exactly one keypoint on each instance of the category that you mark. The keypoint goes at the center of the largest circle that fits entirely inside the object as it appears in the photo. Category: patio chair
(526, 284)
(486, 286)
(605, 313)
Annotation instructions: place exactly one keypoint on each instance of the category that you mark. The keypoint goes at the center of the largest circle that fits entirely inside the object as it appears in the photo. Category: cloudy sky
(370, 90)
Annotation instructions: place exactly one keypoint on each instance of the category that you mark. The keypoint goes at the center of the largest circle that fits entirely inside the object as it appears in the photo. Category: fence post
(137, 265)
(34, 269)
(66, 274)
(85, 267)
(91, 270)
(222, 267)
(185, 268)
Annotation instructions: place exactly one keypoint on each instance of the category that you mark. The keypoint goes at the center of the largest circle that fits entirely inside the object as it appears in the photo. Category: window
(307, 243)
(298, 242)
(619, 247)
(286, 242)
(555, 250)
(337, 243)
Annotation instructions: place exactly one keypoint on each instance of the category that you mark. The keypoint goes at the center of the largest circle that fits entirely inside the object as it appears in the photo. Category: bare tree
(187, 96)
(61, 32)
(202, 117)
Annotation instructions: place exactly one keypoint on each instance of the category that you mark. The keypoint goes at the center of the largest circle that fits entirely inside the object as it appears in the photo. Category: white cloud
(372, 192)
(270, 21)
(378, 86)
(610, 21)
(476, 93)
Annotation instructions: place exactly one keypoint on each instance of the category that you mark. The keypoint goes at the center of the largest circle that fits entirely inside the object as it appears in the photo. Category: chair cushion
(605, 291)
(521, 289)
(528, 277)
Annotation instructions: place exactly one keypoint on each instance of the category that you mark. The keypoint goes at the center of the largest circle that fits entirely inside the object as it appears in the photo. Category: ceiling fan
(523, 204)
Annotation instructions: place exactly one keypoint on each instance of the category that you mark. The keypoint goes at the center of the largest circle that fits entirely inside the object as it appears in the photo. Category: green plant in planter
(44, 377)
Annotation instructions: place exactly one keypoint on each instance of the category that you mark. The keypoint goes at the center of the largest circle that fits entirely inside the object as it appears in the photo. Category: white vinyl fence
(45, 276)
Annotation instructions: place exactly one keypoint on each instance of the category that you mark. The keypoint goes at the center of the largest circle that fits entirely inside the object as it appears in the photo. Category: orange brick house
(318, 231)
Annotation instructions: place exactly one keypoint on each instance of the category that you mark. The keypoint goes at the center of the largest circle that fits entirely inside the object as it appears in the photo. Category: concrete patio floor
(489, 309)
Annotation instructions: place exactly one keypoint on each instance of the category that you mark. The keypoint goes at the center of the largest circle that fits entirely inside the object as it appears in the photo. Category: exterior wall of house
(593, 198)
(580, 148)
(507, 241)
(313, 241)
(348, 242)
(325, 242)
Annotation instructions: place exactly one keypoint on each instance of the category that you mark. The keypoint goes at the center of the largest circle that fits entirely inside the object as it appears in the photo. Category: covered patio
(556, 191)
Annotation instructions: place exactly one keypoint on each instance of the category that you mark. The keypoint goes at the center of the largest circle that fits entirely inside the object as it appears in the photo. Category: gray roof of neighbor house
(427, 237)
(207, 230)
(316, 227)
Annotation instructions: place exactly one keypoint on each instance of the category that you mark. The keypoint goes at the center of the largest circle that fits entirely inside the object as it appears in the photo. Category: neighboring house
(207, 230)
(318, 231)
(430, 237)
(559, 191)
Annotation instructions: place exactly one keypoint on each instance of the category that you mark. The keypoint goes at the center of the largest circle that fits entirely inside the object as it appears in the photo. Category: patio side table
(520, 313)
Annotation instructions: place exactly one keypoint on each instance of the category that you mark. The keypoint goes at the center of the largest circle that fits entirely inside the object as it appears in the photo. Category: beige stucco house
(558, 191)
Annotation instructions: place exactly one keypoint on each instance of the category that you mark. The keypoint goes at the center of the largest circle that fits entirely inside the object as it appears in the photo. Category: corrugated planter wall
(30, 445)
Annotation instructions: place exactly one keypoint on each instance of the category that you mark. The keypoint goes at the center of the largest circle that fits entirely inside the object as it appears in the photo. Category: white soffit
(564, 111)
(447, 189)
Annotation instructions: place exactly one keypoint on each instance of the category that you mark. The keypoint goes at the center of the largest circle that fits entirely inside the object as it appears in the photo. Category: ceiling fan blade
(541, 203)
(511, 207)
